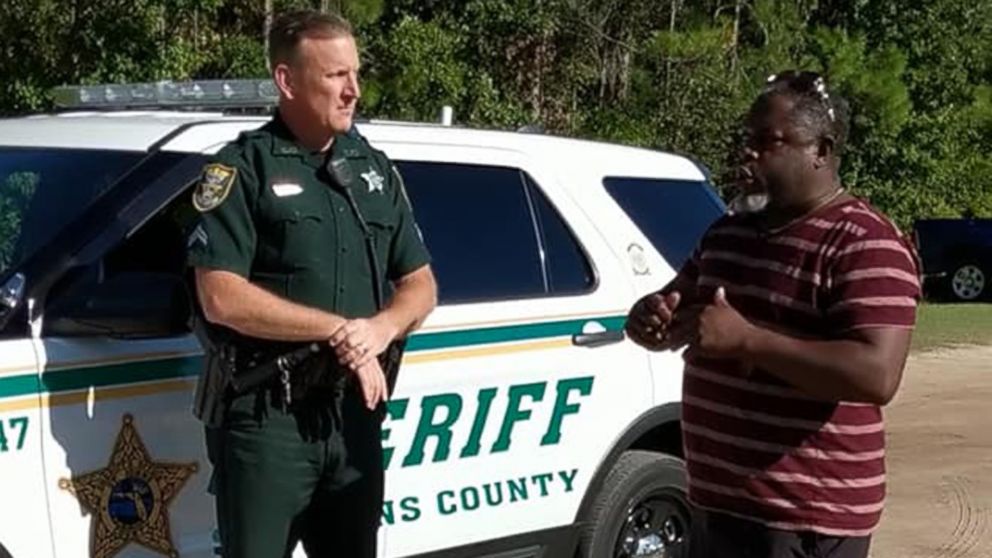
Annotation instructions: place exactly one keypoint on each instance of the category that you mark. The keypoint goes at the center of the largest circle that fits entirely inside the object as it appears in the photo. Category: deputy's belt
(282, 365)
(301, 368)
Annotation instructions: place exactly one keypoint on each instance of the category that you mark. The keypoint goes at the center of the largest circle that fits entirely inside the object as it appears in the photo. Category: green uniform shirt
(273, 213)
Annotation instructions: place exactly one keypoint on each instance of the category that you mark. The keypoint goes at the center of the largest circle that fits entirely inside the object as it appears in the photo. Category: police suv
(523, 423)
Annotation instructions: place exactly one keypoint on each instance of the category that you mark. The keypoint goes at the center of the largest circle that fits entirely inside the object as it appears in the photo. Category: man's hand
(721, 331)
(373, 383)
(650, 319)
(358, 342)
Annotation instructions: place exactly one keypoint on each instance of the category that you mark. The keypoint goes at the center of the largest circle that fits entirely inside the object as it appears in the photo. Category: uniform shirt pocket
(301, 236)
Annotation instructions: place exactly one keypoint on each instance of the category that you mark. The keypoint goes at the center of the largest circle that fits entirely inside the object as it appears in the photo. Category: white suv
(523, 423)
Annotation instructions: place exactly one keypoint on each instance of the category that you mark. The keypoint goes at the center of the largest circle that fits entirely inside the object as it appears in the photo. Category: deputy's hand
(360, 341)
(650, 318)
(721, 331)
(373, 383)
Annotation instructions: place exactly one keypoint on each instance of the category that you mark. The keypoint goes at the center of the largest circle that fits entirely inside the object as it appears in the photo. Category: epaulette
(383, 159)
(354, 134)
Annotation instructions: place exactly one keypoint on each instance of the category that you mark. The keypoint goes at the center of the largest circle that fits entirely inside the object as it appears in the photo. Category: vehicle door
(125, 470)
(672, 214)
(25, 529)
(521, 378)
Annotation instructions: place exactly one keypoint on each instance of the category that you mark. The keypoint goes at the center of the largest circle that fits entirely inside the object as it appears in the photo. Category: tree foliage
(664, 74)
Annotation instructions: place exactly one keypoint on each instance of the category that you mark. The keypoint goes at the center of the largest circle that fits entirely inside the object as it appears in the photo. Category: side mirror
(11, 296)
(128, 304)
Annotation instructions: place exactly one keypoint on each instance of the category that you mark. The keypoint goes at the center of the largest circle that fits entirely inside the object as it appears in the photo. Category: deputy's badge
(374, 180)
(129, 498)
(214, 186)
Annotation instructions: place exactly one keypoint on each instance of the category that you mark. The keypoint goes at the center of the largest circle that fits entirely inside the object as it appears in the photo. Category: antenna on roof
(447, 115)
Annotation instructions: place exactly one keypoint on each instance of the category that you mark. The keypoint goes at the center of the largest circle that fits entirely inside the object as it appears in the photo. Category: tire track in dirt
(940, 458)
(971, 525)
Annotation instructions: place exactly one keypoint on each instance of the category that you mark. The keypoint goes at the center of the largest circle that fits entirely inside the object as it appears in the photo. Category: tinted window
(477, 224)
(483, 224)
(42, 190)
(568, 269)
(673, 214)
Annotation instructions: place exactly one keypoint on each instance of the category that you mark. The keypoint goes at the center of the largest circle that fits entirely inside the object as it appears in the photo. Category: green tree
(671, 74)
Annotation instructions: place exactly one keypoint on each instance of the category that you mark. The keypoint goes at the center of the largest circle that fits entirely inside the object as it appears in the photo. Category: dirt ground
(940, 459)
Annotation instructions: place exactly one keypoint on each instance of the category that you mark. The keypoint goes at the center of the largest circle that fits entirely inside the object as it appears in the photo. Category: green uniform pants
(313, 475)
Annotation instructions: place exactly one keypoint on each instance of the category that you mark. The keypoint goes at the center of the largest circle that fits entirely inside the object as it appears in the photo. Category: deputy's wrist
(331, 325)
(387, 322)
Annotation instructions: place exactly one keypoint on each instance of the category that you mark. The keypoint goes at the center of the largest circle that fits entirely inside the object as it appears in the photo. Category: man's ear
(825, 150)
(282, 75)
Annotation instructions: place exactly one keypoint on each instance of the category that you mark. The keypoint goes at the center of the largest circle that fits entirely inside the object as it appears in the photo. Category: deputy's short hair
(292, 27)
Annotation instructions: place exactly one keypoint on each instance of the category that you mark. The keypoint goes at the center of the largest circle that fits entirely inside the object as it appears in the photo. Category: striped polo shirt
(756, 447)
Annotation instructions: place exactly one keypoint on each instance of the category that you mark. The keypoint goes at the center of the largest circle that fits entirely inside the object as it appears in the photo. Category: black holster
(210, 399)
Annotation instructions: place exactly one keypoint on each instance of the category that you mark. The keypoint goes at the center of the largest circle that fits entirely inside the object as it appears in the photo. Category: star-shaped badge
(129, 498)
(374, 180)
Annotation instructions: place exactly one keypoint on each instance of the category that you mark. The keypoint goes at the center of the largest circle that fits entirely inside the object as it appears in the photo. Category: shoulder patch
(214, 186)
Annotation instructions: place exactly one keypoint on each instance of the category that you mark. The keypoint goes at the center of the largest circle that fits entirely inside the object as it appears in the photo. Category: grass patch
(939, 325)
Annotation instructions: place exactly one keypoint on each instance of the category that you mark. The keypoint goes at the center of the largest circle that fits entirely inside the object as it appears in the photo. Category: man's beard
(748, 203)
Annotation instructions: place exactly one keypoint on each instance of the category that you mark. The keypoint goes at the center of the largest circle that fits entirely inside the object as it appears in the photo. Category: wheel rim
(968, 282)
(656, 526)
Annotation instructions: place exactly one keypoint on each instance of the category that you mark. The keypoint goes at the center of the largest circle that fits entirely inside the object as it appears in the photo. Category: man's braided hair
(817, 110)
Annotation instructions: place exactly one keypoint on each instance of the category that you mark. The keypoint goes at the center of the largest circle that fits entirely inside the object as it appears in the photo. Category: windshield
(42, 190)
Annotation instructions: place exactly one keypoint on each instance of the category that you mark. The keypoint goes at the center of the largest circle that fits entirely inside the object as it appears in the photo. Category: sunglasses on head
(804, 83)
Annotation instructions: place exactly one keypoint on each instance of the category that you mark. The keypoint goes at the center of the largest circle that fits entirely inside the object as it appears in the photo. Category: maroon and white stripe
(760, 449)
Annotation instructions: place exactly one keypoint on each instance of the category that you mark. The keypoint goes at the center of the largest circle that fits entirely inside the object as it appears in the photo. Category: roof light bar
(191, 94)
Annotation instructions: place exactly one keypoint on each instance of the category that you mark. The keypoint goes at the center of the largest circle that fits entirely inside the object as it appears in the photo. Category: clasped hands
(357, 344)
(711, 329)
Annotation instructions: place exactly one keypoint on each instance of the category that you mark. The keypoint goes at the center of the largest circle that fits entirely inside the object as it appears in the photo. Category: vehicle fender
(662, 417)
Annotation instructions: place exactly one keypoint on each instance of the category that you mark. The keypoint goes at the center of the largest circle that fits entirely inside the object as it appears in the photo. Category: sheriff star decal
(129, 498)
(214, 186)
(374, 180)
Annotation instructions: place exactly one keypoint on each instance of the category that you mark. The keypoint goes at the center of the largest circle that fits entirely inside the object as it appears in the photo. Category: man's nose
(748, 154)
(352, 90)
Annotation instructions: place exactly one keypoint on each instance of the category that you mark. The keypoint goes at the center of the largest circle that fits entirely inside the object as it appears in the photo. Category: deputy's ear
(282, 75)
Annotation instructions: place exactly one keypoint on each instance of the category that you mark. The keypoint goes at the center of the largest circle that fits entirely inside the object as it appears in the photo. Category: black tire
(641, 510)
(968, 281)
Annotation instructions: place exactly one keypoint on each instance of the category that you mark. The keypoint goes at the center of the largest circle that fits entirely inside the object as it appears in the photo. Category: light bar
(217, 93)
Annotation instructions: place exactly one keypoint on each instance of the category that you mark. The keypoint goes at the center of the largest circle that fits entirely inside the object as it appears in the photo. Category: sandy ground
(940, 459)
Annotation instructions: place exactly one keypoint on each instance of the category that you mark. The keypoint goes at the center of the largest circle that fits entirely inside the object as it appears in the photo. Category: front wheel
(968, 282)
(641, 510)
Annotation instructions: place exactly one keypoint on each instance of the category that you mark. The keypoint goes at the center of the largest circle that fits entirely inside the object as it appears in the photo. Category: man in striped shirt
(797, 321)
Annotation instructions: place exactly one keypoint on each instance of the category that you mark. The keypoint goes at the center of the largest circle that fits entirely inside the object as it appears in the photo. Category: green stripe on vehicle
(84, 377)
(14, 386)
(504, 334)
(127, 372)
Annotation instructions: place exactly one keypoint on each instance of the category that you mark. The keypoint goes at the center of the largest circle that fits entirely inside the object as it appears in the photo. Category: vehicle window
(673, 214)
(568, 268)
(136, 290)
(477, 223)
(41, 190)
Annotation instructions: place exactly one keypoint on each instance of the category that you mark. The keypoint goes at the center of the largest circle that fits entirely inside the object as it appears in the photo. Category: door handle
(599, 339)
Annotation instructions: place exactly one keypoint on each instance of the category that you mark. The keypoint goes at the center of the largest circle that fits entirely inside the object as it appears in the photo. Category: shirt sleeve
(873, 282)
(408, 251)
(225, 236)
